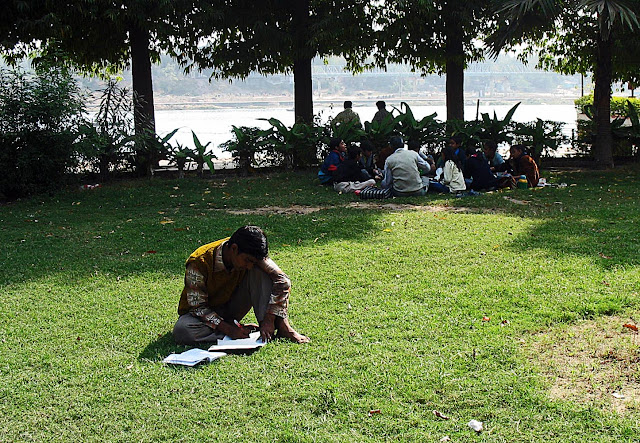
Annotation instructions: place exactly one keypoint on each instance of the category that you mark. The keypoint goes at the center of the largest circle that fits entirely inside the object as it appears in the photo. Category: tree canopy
(598, 36)
(95, 36)
(235, 38)
(434, 37)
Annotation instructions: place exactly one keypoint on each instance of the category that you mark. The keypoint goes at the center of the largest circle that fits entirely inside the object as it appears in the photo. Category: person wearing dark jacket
(367, 162)
(350, 176)
(477, 168)
(329, 167)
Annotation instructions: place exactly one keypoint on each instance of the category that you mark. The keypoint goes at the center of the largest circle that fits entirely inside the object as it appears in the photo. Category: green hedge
(618, 104)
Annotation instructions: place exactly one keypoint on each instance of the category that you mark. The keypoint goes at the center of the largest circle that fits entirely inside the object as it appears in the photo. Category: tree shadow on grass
(608, 233)
(156, 243)
(148, 229)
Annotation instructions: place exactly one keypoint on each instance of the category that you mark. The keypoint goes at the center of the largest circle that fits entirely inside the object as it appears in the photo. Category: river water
(214, 125)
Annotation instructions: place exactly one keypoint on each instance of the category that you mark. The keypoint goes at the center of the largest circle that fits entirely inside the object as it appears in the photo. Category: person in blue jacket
(329, 168)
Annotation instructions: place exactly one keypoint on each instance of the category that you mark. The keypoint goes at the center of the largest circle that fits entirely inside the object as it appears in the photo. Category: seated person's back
(477, 168)
(402, 170)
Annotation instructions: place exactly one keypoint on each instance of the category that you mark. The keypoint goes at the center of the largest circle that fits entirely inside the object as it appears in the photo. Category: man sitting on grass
(223, 281)
(402, 171)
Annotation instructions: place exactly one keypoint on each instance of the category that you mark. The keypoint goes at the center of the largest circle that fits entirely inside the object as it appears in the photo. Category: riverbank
(215, 124)
(217, 101)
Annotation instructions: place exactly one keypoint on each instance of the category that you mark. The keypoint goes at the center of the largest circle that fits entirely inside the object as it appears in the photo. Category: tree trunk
(454, 68)
(603, 144)
(303, 90)
(143, 114)
(303, 85)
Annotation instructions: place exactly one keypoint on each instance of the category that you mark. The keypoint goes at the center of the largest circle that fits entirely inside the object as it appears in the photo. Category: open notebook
(241, 344)
(195, 356)
(192, 357)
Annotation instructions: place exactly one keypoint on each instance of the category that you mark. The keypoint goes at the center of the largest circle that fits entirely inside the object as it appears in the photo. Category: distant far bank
(169, 102)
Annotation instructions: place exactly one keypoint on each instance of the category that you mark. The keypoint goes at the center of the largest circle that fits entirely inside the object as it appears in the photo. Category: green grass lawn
(393, 298)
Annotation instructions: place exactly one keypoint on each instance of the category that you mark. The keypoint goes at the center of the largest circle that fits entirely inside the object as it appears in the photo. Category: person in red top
(520, 163)
(223, 281)
(523, 164)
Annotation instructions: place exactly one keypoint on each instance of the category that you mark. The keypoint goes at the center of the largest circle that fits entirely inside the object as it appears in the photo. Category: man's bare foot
(286, 331)
(293, 336)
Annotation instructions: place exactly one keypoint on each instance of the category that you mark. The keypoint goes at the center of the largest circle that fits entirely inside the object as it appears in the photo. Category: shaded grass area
(392, 299)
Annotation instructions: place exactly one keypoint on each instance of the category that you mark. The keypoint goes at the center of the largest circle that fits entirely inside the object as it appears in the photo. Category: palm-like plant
(154, 148)
(495, 129)
(349, 132)
(425, 130)
(379, 132)
(201, 156)
(180, 155)
(246, 143)
(469, 130)
(542, 136)
(562, 27)
(297, 145)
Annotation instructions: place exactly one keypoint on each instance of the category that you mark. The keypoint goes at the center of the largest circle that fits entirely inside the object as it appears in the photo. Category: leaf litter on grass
(595, 363)
(302, 210)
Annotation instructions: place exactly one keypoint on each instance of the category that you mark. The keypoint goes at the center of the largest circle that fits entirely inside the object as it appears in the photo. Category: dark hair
(471, 150)
(353, 152)
(381, 104)
(456, 138)
(450, 154)
(414, 145)
(334, 142)
(367, 145)
(491, 145)
(347, 104)
(396, 142)
(251, 241)
(521, 148)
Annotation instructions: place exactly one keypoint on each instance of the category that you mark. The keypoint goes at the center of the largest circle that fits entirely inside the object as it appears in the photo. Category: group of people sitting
(410, 171)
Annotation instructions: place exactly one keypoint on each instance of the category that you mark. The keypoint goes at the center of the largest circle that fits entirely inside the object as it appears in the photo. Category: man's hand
(267, 327)
(234, 331)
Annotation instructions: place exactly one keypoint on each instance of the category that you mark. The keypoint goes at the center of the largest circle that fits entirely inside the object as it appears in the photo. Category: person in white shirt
(452, 179)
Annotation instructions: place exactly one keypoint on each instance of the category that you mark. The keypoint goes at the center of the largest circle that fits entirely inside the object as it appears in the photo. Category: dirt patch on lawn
(595, 362)
(404, 207)
(295, 209)
(301, 210)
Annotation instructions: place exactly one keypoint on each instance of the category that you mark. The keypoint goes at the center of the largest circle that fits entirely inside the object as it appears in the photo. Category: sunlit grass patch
(412, 305)
(595, 363)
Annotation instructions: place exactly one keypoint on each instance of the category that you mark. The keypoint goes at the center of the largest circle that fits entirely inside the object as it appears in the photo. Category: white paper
(192, 357)
(229, 344)
(476, 425)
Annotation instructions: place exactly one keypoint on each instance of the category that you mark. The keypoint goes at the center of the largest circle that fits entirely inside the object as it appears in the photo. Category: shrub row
(304, 144)
(46, 137)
